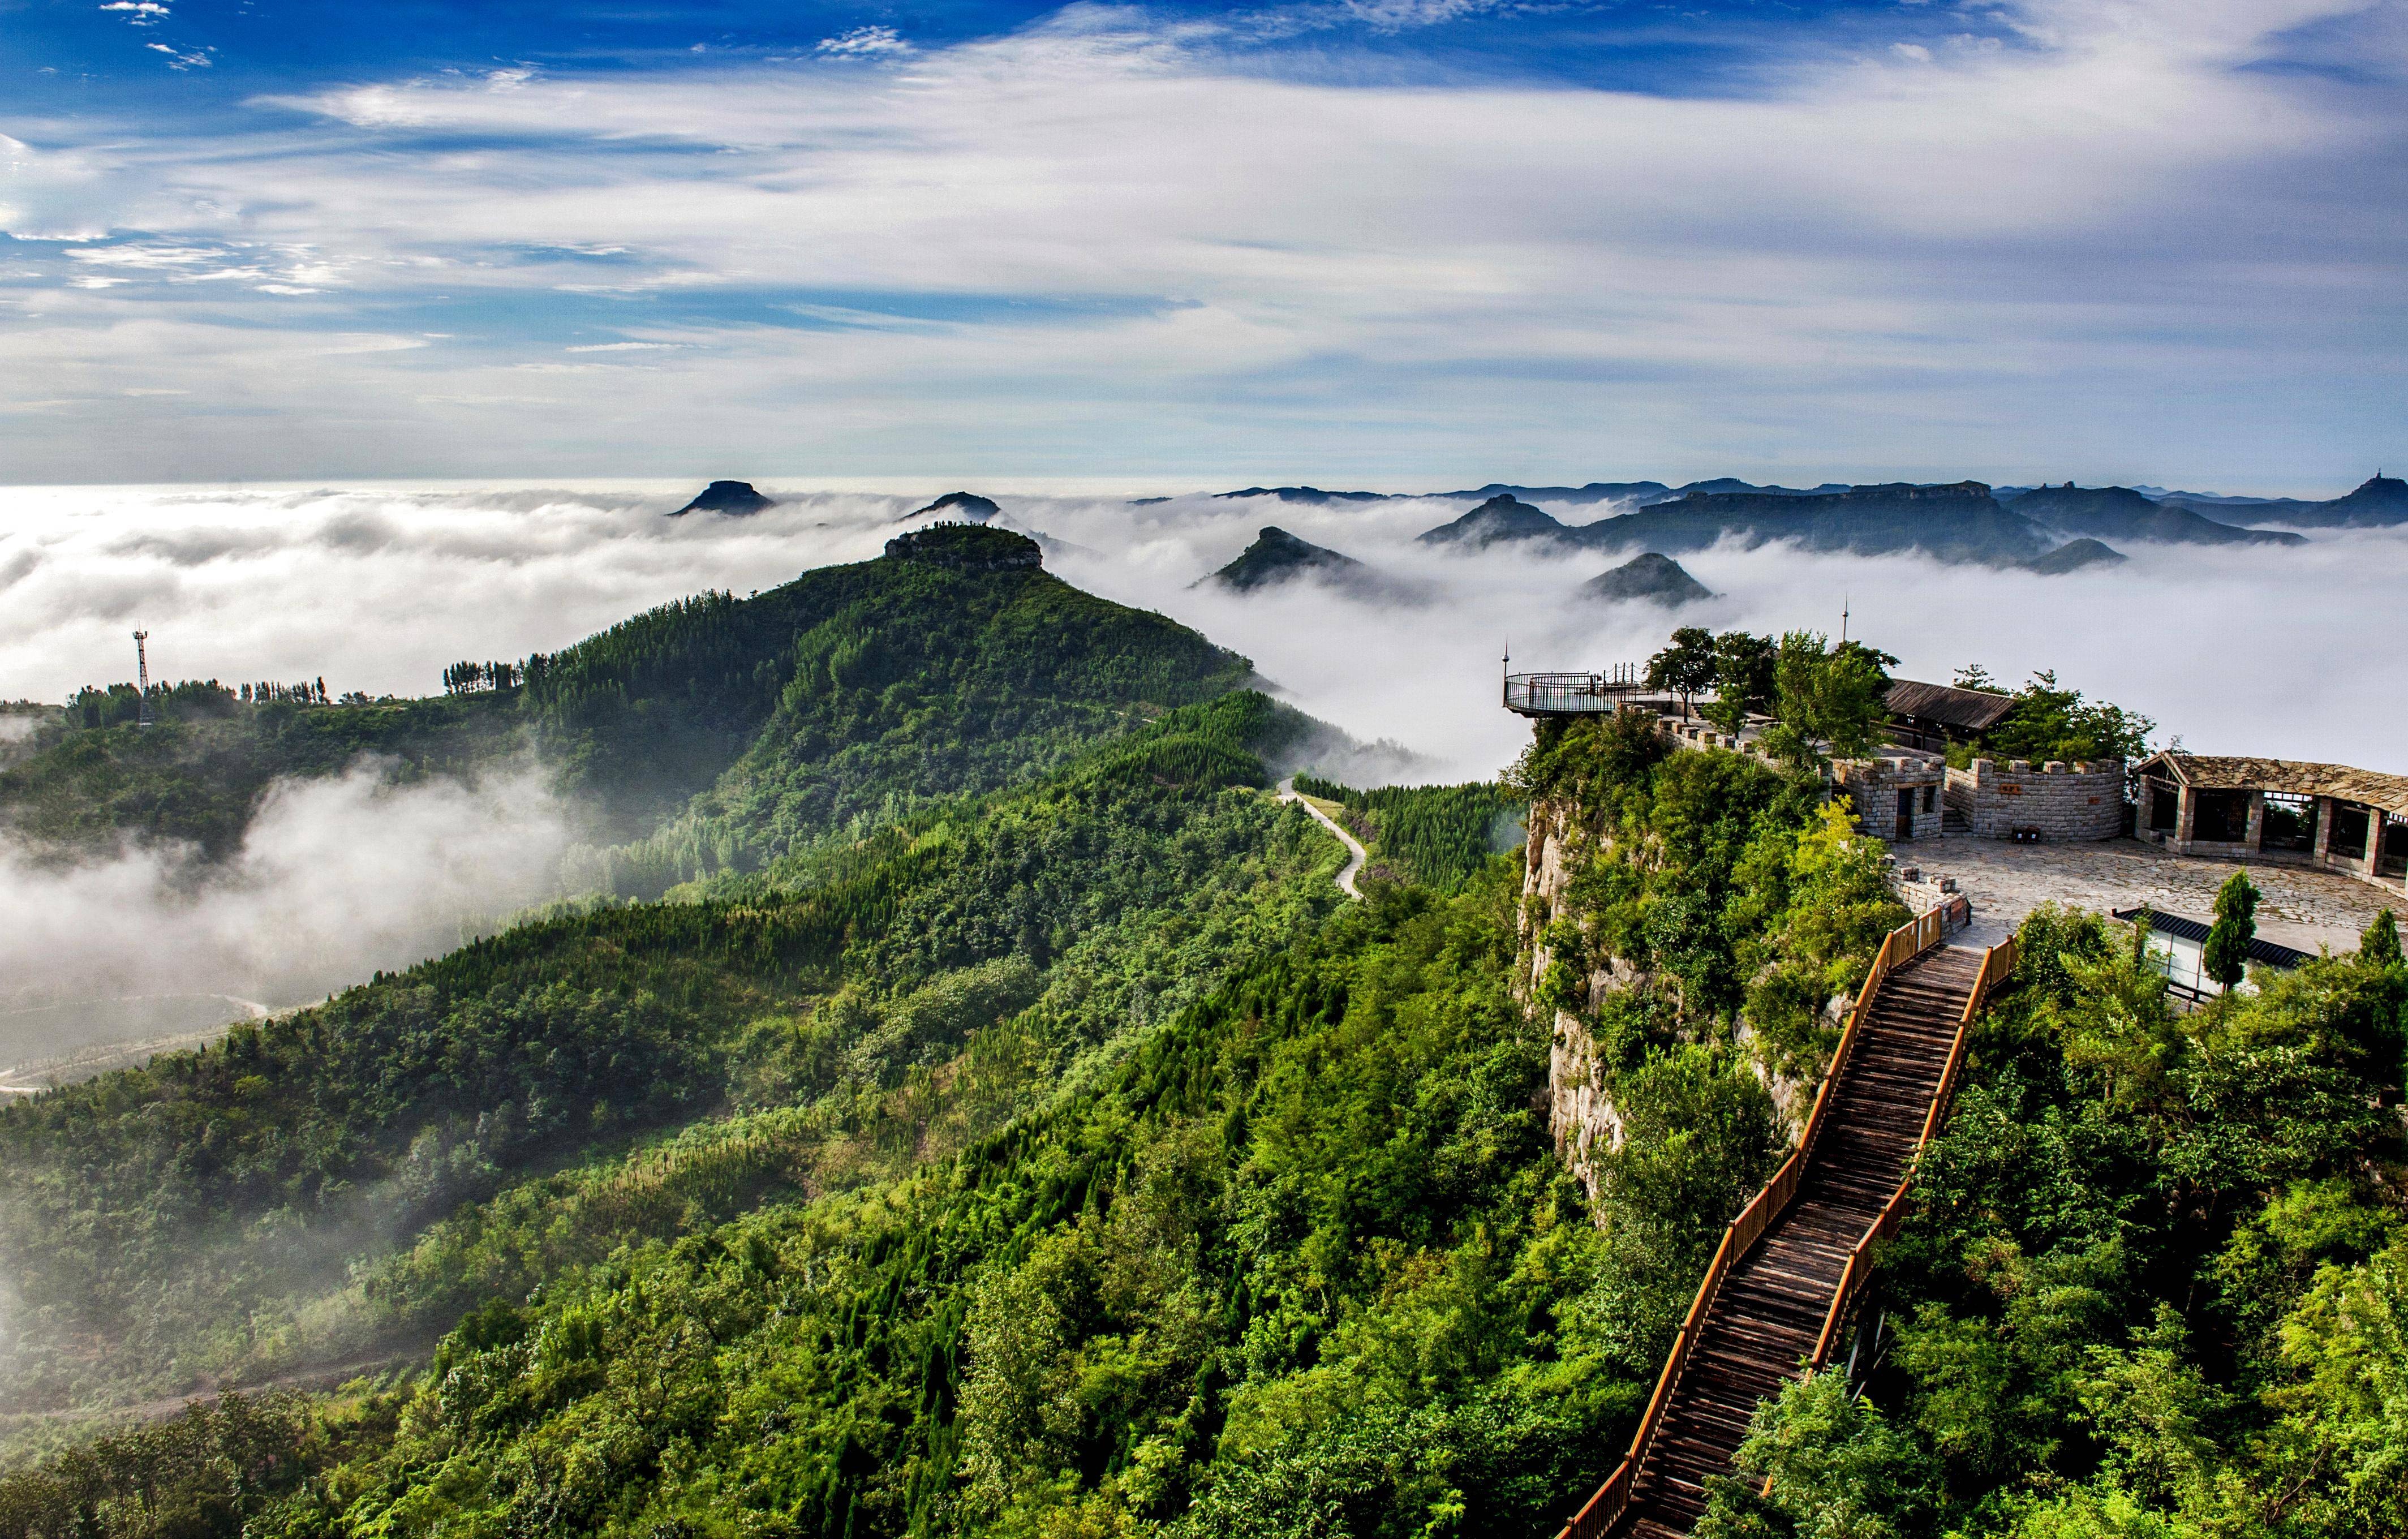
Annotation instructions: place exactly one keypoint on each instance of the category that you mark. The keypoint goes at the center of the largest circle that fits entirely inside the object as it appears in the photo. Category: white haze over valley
(336, 878)
(2283, 652)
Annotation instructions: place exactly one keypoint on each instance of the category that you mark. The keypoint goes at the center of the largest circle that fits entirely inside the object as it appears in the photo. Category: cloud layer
(336, 878)
(2071, 240)
(376, 588)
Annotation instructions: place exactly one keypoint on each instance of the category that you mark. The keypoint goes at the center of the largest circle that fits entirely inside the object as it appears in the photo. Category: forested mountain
(852, 691)
(1050, 1151)
(91, 777)
(196, 1219)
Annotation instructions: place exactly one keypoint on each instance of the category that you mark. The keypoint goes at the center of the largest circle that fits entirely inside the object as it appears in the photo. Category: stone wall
(2060, 801)
(1872, 785)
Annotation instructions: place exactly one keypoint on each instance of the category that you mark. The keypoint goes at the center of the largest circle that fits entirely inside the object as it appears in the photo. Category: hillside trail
(1357, 855)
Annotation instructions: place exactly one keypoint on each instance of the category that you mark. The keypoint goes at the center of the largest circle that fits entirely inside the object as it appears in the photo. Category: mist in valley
(376, 589)
(336, 879)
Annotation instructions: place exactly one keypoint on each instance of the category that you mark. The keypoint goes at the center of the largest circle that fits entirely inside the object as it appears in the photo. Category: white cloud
(183, 58)
(140, 13)
(336, 878)
(863, 42)
(625, 347)
(2082, 255)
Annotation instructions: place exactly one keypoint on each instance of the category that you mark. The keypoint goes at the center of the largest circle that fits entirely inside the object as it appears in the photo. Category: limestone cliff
(1581, 1116)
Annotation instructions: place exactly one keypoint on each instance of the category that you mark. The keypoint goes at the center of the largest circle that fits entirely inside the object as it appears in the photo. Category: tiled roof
(2291, 777)
(2264, 953)
(1974, 709)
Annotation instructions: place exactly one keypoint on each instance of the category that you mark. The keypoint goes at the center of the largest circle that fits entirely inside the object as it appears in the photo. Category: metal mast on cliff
(142, 680)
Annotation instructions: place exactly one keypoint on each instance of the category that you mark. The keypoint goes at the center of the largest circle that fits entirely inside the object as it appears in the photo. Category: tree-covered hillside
(1067, 1158)
(200, 1217)
(2156, 1282)
(1439, 836)
(89, 777)
(852, 693)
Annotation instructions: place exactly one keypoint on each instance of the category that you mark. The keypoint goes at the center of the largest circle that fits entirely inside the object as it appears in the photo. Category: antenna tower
(142, 716)
(1844, 619)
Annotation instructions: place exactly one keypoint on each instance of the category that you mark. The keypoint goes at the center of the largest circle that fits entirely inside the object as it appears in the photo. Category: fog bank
(2232, 649)
(336, 879)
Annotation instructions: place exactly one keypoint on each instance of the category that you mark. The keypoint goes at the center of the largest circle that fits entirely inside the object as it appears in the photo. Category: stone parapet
(2055, 801)
(1894, 797)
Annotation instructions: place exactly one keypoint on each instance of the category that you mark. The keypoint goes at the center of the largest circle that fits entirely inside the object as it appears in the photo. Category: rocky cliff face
(1582, 1114)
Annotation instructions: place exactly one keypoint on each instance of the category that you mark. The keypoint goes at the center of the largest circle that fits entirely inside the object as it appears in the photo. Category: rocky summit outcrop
(1565, 842)
(1312, 497)
(1652, 578)
(2119, 512)
(968, 548)
(2073, 555)
(734, 498)
(1502, 517)
(1278, 556)
(964, 505)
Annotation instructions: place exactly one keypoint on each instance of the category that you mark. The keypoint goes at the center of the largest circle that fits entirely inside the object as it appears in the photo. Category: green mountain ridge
(714, 732)
(1009, 1131)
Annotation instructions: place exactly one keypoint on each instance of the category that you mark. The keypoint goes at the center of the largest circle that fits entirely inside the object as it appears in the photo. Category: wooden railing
(1997, 963)
(1599, 1516)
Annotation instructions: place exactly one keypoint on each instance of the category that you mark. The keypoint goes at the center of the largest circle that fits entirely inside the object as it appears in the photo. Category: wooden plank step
(1769, 1309)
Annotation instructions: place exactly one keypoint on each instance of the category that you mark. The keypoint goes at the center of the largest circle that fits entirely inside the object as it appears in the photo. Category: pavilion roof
(2291, 777)
(1973, 710)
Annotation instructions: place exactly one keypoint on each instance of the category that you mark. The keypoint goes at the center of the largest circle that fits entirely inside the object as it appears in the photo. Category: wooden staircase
(1773, 1302)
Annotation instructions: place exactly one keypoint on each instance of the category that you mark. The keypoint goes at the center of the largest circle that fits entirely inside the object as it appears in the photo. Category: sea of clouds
(375, 588)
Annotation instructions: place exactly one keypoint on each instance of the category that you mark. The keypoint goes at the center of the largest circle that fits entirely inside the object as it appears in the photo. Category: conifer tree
(2380, 945)
(2226, 956)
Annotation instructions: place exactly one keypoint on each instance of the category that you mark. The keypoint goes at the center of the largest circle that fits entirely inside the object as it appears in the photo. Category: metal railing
(1997, 963)
(1600, 1514)
(1575, 694)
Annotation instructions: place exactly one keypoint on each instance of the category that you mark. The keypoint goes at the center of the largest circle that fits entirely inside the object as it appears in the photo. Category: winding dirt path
(1357, 855)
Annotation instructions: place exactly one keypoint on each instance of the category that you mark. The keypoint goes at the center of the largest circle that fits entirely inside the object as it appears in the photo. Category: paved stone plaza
(2301, 907)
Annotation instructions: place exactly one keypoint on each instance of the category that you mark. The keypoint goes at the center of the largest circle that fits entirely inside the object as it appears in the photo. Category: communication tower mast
(142, 680)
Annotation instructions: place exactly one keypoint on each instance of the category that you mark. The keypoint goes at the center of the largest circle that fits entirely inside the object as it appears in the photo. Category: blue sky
(1394, 242)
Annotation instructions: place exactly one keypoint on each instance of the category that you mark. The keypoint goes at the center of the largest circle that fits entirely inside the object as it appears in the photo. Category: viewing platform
(1582, 694)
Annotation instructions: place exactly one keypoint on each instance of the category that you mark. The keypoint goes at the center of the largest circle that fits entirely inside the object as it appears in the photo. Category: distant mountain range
(1958, 523)
(1961, 520)
(2048, 528)
(2380, 502)
(2122, 513)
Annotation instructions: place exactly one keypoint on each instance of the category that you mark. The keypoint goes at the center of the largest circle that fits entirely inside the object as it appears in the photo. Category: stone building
(2330, 816)
(2051, 802)
(1896, 797)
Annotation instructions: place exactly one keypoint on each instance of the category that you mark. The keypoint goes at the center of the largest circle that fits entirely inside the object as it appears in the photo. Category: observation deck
(1580, 694)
